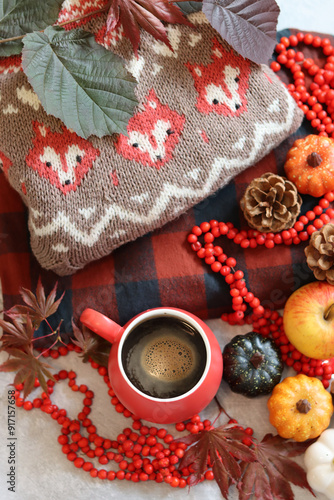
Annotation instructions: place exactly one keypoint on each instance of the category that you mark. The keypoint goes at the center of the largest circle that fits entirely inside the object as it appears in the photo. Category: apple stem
(329, 311)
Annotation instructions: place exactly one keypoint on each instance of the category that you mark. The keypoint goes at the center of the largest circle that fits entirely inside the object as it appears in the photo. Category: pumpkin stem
(257, 359)
(303, 406)
(330, 310)
(314, 160)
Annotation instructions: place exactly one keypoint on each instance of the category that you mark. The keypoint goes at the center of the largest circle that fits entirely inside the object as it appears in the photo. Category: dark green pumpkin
(252, 364)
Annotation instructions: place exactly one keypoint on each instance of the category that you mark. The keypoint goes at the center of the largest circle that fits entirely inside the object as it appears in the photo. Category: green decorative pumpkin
(252, 364)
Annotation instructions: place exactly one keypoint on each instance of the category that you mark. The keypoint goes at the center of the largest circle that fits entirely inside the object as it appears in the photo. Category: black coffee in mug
(164, 357)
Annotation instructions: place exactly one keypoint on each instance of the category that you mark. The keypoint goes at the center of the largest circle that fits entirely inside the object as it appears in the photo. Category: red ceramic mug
(165, 364)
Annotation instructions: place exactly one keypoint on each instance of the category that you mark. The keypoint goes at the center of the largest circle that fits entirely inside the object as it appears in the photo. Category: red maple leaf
(224, 449)
(38, 306)
(18, 333)
(270, 476)
(147, 14)
(28, 367)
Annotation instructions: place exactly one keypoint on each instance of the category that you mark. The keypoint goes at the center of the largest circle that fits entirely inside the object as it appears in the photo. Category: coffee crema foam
(164, 357)
(167, 357)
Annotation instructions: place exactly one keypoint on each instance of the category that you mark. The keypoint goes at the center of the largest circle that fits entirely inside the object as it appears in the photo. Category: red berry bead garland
(250, 238)
(264, 321)
(317, 102)
(142, 453)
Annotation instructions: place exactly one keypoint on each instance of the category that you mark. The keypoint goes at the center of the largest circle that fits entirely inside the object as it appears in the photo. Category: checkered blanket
(159, 269)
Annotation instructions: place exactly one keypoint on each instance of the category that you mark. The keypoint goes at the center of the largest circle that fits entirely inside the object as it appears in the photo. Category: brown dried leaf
(17, 333)
(92, 345)
(39, 307)
(29, 384)
(28, 367)
(11, 365)
(21, 375)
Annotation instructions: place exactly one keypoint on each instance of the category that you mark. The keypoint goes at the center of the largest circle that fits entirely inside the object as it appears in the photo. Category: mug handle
(100, 324)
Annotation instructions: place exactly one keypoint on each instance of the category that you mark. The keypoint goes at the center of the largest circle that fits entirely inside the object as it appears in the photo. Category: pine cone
(320, 253)
(271, 203)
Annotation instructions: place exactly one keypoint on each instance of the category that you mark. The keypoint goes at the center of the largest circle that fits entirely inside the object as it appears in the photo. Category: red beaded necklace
(320, 94)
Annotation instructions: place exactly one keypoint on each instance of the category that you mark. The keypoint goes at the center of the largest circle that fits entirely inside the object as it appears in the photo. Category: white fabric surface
(43, 472)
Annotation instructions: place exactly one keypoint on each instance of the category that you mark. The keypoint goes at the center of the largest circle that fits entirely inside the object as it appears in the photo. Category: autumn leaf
(147, 14)
(28, 367)
(38, 306)
(270, 476)
(224, 447)
(18, 333)
(249, 26)
(92, 345)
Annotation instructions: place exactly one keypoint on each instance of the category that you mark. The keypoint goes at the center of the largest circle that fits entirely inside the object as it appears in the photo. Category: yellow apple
(308, 320)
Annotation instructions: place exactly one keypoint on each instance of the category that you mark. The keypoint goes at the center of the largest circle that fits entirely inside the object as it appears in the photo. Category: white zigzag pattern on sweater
(63, 223)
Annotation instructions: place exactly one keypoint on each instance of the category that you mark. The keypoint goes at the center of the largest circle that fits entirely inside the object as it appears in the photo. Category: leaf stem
(61, 341)
(47, 349)
(98, 11)
(221, 410)
(46, 321)
(64, 23)
(44, 336)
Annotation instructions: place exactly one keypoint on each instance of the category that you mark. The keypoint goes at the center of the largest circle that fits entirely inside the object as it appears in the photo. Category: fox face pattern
(222, 85)
(62, 158)
(153, 134)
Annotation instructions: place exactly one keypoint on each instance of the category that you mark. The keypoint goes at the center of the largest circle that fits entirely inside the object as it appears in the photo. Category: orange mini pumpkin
(300, 408)
(310, 165)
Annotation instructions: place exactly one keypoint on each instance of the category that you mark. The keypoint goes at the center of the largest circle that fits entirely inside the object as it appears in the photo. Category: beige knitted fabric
(205, 115)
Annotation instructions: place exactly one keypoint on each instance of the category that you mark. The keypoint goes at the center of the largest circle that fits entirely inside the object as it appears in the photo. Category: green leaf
(18, 17)
(189, 7)
(79, 81)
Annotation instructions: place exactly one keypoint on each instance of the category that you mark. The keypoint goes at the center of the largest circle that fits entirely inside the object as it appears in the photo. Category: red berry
(209, 475)
(205, 227)
(308, 39)
(280, 47)
(293, 40)
(275, 66)
(247, 441)
(28, 405)
(231, 262)
(285, 41)
(78, 462)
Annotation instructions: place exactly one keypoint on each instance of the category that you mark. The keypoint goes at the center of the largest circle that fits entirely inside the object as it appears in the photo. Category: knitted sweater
(205, 114)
